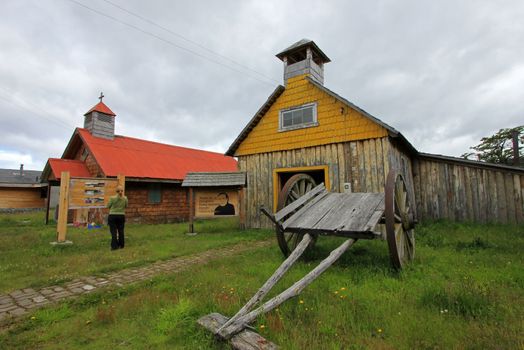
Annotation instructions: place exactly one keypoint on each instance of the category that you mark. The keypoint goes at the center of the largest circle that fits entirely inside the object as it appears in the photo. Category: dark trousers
(116, 227)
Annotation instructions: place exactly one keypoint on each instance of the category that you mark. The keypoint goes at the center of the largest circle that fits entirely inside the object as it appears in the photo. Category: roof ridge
(148, 141)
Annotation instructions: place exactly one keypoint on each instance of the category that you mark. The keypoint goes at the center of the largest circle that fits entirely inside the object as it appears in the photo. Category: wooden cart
(306, 212)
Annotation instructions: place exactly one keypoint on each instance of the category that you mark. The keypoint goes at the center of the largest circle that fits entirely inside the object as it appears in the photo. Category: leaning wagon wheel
(399, 221)
(294, 188)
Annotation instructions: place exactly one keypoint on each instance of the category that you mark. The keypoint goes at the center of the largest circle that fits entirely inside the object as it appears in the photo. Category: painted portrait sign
(91, 193)
(216, 203)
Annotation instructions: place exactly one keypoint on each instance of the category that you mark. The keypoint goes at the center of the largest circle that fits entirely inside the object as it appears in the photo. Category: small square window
(298, 117)
(154, 193)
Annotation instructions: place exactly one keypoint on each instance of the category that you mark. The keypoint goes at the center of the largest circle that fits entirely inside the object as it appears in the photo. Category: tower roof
(301, 44)
(102, 108)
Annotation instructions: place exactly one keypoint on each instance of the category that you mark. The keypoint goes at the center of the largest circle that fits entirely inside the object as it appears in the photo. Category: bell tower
(100, 120)
(304, 57)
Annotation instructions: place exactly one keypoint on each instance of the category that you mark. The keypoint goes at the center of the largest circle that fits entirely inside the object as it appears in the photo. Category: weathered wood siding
(337, 122)
(463, 192)
(17, 198)
(364, 164)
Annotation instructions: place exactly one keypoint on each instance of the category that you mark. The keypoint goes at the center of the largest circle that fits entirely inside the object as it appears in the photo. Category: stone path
(22, 301)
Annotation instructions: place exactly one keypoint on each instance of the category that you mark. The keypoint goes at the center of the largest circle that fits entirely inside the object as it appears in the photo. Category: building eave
(473, 163)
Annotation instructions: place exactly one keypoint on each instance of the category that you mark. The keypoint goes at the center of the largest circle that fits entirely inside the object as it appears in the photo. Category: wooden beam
(61, 228)
(48, 204)
(277, 275)
(241, 209)
(244, 340)
(191, 210)
(292, 291)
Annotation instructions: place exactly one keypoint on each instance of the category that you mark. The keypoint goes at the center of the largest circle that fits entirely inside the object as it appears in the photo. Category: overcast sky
(193, 73)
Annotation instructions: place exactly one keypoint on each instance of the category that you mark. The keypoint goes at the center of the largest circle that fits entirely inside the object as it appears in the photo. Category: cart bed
(343, 214)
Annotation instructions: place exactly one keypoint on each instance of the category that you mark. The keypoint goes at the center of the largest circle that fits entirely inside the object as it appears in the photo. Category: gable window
(154, 193)
(298, 117)
(84, 154)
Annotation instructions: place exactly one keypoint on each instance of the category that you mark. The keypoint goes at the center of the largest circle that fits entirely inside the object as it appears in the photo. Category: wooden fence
(461, 190)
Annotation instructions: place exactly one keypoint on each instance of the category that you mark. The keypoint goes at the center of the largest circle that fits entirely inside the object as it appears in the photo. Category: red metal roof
(102, 108)
(146, 159)
(76, 168)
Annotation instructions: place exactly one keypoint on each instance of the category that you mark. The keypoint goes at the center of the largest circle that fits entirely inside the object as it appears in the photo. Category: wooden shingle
(216, 179)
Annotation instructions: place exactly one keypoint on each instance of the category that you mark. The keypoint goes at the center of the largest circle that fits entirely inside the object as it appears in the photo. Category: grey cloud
(443, 73)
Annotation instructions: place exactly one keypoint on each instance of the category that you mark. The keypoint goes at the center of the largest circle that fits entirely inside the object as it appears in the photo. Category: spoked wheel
(399, 221)
(294, 188)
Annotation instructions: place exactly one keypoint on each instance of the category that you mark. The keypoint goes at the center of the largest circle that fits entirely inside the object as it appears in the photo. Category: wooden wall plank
(501, 193)
(468, 204)
(372, 151)
(342, 174)
(510, 198)
(380, 165)
(519, 206)
(473, 180)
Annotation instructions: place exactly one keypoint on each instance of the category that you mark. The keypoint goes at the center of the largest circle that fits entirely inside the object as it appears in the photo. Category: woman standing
(117, 218)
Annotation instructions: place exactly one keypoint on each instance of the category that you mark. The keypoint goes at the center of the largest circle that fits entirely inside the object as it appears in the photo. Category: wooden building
(305, 128)
(21, 189)
(154, 171)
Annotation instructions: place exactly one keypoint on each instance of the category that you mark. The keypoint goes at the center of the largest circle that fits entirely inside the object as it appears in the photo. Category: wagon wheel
(297, 186)
(399, 221)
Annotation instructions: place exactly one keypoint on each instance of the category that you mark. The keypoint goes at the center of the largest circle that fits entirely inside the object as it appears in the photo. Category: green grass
(465, 290)
(27, 259)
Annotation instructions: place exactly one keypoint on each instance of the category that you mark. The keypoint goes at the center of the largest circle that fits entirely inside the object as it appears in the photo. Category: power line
(166, 41)
(147, 20)
(9, 100)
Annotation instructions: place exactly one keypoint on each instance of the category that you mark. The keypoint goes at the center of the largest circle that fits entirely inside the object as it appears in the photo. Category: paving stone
(30, 298)
(26, 296)
(5, 300)
(39, 299)
(8, 307)
(60, 295)
(88, 287)
(18, 312)
(24, 302)
(74, 285)
(16, 293)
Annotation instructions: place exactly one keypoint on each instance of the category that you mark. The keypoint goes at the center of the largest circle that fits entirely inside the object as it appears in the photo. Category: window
(154, 193)
(104, 118)
(298, 117)
(84, 154)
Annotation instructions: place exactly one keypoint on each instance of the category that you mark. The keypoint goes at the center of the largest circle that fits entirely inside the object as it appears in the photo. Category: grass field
(465, 290)
(28, 260)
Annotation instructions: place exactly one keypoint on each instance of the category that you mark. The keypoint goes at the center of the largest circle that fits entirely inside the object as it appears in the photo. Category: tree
(498, 148)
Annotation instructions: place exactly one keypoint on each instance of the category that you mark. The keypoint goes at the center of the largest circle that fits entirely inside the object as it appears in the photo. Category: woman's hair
(225, 194)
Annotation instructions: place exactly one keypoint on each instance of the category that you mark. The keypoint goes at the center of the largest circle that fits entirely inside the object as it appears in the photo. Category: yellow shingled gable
(337, 122)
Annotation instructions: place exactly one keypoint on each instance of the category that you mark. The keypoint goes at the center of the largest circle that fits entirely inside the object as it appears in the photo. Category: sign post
(61, 227)
(82, 194)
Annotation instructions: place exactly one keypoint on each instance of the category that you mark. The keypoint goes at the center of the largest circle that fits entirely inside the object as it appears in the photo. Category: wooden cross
(101, 96)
